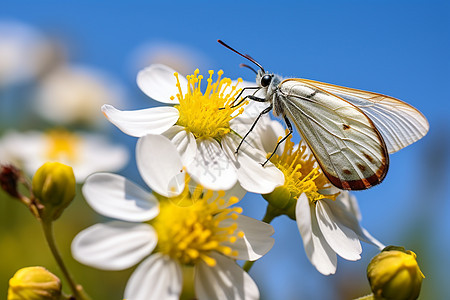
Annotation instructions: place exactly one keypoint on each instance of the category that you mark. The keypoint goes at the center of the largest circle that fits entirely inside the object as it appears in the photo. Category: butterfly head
(263, 79)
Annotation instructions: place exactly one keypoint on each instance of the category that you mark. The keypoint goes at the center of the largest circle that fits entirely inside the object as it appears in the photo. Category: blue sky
(400, 49)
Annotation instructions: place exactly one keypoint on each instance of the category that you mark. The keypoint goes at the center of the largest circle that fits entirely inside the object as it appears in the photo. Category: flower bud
(34, 283)
(54, 188)
(282, 199)
(10, 176)
(395, 275)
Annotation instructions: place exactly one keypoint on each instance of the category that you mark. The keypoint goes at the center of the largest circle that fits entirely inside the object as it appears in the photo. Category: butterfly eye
(265, 80)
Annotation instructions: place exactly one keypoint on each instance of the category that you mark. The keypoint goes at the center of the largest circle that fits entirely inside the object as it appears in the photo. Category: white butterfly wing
(399, 123)
(345, 142)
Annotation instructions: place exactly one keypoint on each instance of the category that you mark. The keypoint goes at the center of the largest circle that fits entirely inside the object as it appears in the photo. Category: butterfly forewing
(399, 123)
(345, 142)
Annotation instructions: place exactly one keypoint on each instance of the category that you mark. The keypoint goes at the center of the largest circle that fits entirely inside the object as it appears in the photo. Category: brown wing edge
(362, 184)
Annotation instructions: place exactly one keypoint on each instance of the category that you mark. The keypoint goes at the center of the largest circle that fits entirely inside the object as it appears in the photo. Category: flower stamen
(208, 114)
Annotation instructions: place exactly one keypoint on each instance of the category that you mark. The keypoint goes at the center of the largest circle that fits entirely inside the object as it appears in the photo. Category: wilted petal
(159, 83)
(211, 167)
(160, 165)
(158, 277)
(116, 197)
(138, 123)
(184, 141)
(226, 280)
(114, 245)
(257, 240)
(317, 249)
(341, 239)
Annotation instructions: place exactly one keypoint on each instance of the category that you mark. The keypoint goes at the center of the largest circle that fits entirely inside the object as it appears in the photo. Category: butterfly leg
(240, 93)
(289, 126)
(265, 111)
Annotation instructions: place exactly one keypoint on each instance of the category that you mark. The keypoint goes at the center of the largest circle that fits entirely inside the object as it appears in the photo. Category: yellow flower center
(208, 114)
(190, 226)
(301, 173)
(62, 145)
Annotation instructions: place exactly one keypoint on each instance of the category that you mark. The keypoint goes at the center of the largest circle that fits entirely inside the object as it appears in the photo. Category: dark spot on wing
(369, 158)
(348, 172)
(346, 127)
(361, 167)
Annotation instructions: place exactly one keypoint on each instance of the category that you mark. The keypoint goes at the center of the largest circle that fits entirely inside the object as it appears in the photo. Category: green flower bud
(282, 200)
(54, 188)
(395, 275)
(34, 283)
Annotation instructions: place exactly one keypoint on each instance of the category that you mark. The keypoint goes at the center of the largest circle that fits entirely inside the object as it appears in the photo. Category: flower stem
(77, 289)
(271, 213)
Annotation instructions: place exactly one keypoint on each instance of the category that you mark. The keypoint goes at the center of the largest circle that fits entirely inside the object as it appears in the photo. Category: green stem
(271, 213)
(77, 289)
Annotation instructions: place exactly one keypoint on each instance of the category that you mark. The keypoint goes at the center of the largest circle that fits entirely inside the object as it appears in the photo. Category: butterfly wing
(399, 123)
(344, 141)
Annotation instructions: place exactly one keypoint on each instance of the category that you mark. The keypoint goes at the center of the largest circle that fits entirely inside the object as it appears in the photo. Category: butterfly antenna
(247, 66)
(243, 55)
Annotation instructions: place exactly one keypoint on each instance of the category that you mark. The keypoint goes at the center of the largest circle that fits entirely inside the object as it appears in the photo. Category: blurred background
(61, 60)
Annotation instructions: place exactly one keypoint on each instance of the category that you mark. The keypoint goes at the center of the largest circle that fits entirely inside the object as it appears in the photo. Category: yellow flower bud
(395, 275)
(34, 283)
(54, 188)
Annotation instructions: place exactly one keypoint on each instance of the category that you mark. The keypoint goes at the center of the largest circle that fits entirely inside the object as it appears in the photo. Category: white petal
(345, 209)
(211, 167)
(160, 165)
(317, 249)
(184, 141)
(159, 82)
(156, 278)
(251, 174)
(138, 123)
(96, 154)
(114, 245)
(341, 239)
(270, 133)
(257, 240)
(226, 280)
(116, 197)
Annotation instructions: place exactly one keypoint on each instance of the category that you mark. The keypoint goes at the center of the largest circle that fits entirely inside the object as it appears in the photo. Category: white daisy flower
(196, 228)
(89, 89)
(25, 53)
(205, 127)
(86, 153)
(328, 219)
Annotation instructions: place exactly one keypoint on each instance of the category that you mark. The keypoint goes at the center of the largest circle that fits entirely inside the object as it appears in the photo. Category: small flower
(395, 275)
(34, 283)
(206, 127)
(85, 153)
(79, 104)
(194, 227)
(25, 53)
(327, 218)
(53, 187)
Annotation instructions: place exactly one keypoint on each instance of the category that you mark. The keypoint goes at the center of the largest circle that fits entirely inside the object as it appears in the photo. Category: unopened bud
(54, 188)
(395, 275)
(282, 200)
(34, 283)
(9, 178)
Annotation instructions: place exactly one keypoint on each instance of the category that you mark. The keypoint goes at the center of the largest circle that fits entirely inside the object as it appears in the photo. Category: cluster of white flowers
(189, 221)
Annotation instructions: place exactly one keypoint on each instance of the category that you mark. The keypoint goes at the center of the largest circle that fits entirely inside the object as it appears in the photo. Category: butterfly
(350, 132)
